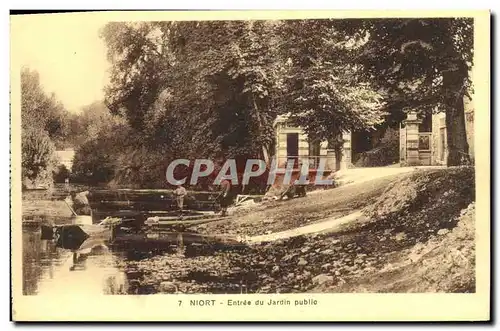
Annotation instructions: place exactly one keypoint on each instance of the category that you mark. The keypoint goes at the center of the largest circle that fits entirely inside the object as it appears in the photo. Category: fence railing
(312, 162)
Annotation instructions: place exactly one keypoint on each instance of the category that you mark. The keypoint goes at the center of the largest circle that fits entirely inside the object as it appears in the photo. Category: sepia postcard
(250, 166)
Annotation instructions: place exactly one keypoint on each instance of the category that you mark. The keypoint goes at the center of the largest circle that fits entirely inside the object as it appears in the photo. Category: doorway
(292, 147)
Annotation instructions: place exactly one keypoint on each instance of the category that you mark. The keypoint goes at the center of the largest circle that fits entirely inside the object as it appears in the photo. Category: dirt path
(329, 225)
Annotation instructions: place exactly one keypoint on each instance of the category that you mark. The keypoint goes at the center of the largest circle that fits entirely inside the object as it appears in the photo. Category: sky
(67, 52)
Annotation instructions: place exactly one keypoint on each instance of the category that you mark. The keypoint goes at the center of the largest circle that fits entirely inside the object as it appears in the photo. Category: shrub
(140, 167)
(94, 162)
(60, 173)
(385, 153)
(38, 158)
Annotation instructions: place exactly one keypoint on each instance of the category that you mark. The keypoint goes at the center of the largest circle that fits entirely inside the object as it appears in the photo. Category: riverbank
(274, 216)
(403, 216)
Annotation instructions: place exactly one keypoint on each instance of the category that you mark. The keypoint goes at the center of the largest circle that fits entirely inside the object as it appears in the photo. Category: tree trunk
(458, 148)
(265, 152)
(336, 143)
(338, 156)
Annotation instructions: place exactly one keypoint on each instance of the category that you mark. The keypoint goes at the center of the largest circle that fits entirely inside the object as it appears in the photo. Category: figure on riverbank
(297, 185)
(80, 202)
(225, 197)
(180, 193)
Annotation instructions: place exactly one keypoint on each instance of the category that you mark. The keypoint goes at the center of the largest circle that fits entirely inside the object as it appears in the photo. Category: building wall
(438, 139)
(282, 129)
(469, 125)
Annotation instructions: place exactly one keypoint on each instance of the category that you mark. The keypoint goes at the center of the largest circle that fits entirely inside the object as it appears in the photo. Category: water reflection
(40, 257)
(90, 265)
(50, 270)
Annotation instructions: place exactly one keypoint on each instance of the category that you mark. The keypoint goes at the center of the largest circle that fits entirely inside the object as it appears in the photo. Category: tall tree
(44, 125)
(34, 102)
(213, 83)
(325, 93)
(234, 72)
(424, 65)
(259, 65)
(139, 63)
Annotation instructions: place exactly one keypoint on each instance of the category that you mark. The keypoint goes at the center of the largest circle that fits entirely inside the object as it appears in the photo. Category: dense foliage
(44, 127)
(423, 65)
(101, 137)
(385, 152)
(38, 159)
(213, 89)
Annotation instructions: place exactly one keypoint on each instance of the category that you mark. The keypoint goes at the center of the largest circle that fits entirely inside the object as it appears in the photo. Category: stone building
(293, 145)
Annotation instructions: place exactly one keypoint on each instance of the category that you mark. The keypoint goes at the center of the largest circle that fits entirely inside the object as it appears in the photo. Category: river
(133, 264)
(136, 266)
(50, 270)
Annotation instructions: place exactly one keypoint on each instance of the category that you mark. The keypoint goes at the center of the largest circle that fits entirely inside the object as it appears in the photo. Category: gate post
(412, 129)
(346, 151)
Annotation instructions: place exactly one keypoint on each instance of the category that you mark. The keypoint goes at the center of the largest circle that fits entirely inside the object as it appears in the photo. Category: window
(292, 144)
(292, 149)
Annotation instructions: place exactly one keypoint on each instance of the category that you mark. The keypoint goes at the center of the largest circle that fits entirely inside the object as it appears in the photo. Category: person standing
(66, 184)
(80, 203)
(300, 188)
(225, 196)
(180, 193)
